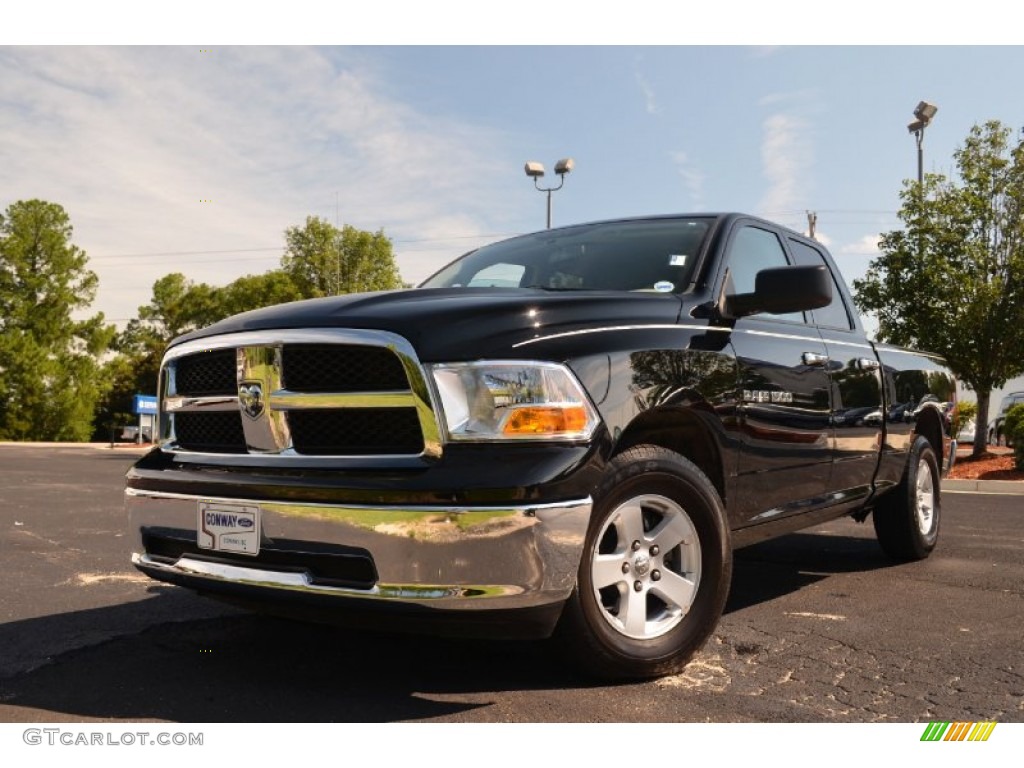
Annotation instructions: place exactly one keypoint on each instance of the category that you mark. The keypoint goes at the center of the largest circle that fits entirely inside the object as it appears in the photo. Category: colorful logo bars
(958, 731)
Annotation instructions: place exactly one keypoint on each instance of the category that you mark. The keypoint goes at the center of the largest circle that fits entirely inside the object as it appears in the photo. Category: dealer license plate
(229, 527)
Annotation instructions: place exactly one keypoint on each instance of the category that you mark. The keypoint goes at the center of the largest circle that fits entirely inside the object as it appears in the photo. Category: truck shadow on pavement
(174, 656)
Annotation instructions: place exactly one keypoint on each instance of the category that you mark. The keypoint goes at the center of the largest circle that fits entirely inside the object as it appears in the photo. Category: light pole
(536, 171)
(924, 112)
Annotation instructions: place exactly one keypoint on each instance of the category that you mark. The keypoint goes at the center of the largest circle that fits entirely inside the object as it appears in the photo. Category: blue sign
(144, 404)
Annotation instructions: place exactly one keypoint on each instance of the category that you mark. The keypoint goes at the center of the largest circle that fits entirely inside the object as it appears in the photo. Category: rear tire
(655, 570)
(907, 518)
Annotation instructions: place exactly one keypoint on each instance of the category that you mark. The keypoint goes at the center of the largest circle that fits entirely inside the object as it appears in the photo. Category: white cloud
(131, 140)
(823, 238)
(866, 246)
(786, 155)
(798, 97)
(650, 102)
(693, 178)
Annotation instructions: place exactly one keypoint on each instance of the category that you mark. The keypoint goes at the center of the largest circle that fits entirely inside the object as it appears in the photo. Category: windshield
(657, 255)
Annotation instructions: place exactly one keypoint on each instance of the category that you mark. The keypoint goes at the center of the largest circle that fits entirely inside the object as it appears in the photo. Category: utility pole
(812, 223)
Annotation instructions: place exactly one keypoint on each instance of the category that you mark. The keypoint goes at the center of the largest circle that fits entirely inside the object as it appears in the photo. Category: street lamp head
(917, 125)
(564, 166)
(534, 170)
(925, 112)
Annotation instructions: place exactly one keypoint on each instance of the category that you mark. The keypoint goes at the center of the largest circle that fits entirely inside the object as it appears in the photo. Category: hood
(452, 324)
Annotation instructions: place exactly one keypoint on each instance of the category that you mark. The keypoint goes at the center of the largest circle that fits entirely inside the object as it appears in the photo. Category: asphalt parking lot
(819, 627)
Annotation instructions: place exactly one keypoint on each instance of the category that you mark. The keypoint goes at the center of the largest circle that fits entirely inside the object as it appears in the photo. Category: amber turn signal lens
(546, 420)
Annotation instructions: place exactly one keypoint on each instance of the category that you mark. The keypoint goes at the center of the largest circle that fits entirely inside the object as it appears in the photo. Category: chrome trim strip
(837, 342)
(612, 328)
(273, 338)
(416, 508)
(810, 335)
(256, 577)
(285, 400)
(692, 327)
(200, 404)
(912, 352)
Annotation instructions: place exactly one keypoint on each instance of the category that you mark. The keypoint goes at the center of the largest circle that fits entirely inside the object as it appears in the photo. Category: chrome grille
(301, 396)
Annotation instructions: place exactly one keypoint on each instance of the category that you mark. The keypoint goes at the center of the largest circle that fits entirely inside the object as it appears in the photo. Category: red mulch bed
(991, 466)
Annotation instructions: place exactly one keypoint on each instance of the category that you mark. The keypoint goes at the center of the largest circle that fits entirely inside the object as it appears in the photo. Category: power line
(280, 249)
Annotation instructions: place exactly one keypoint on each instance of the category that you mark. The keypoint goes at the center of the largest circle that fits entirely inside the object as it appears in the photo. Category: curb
(1009, 487)
(120, 447)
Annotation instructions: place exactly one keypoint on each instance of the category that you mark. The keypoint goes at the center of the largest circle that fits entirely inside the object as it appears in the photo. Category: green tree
(965, 411)
(323, 260)
(256, 291)
(49, 377)
(952, 280)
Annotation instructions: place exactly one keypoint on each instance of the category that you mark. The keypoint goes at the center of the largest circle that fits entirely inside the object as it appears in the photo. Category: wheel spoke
(633, 612)
(630, 525)
(671, 532)
(607, 570)
(677, 591)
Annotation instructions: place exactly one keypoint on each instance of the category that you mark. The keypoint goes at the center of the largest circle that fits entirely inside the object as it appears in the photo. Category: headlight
(513, 401)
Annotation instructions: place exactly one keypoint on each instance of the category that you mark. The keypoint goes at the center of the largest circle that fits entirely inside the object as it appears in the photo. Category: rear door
(855, 386)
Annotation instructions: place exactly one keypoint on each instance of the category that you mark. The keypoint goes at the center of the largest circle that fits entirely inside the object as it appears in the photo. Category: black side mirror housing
(781, 290)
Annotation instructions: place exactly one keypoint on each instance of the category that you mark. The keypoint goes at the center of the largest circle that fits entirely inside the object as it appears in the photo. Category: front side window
(652, 255)
(752, 250)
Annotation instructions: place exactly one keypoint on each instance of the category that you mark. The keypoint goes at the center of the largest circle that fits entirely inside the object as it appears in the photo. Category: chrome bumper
(452, 558)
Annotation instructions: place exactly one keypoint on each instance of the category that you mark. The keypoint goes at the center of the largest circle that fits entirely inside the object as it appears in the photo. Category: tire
(655, 570)
(907, 518)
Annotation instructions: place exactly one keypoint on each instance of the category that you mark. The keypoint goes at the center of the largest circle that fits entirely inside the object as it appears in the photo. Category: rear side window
(835, 315)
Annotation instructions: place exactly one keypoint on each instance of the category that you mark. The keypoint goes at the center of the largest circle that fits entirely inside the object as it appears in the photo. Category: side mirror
(781, 290)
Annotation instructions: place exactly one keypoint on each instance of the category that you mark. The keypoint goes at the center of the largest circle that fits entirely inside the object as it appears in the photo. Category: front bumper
(339, 559)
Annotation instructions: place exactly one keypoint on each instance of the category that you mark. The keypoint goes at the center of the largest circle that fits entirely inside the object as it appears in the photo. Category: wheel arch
(683, 431)
(929, 426)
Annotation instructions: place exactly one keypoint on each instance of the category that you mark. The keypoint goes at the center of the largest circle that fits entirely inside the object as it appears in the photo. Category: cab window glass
(835, 315)
(752, 250)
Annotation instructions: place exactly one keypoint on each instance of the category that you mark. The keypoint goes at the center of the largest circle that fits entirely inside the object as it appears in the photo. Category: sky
(195, 158)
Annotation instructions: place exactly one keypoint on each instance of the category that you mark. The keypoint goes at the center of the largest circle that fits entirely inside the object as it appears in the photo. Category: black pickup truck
(567, 432)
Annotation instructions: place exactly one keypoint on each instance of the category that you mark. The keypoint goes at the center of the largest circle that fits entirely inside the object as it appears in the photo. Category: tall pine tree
(49, 377)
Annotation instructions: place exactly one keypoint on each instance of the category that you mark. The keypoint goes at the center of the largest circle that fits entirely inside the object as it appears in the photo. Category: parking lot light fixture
(535, 171)
(924, 112)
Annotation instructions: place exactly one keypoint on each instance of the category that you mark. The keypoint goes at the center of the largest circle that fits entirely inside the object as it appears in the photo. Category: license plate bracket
(228, 527)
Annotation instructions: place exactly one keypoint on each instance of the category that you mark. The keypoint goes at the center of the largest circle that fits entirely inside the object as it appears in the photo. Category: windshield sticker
(664, 286)
(677, 260)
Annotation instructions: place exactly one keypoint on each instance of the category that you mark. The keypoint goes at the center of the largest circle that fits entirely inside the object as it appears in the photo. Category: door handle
(812, 358)
(868, 364)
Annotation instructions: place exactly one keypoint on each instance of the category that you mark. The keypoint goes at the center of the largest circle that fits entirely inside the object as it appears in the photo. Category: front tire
(655, 571)
(907, 519)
